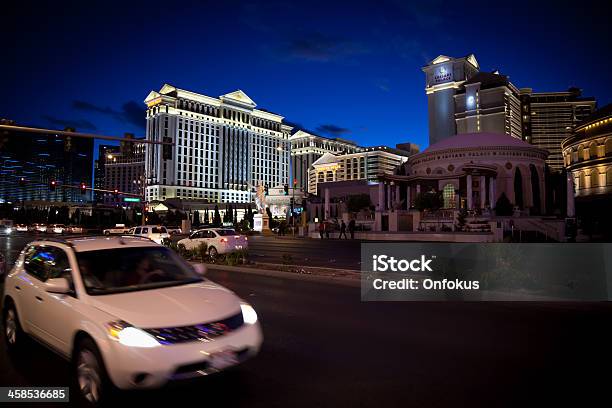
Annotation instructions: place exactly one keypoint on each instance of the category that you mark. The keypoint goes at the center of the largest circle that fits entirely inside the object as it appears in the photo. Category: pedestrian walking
(321, 229)
(351, 228)
(342, 230)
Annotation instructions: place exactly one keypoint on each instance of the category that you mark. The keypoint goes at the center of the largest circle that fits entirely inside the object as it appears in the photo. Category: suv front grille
(199, 332)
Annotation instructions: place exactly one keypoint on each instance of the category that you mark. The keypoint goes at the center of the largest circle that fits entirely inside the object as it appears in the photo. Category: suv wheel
(91, 377)
(13, 334)
(212, 251)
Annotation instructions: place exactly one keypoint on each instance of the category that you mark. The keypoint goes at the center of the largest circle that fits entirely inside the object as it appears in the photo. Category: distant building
(105, 153)
(367, 165)
(223, 147)
(124, 171)
(488, 102)
(443, 79)
(549, 117)
(30, 161)
(306, 148)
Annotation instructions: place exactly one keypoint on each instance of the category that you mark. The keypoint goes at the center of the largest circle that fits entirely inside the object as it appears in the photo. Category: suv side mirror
(200, 269)
(57, 285)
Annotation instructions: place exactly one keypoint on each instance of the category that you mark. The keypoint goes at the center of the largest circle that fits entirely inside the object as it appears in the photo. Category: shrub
(201, 251)
(503, 207)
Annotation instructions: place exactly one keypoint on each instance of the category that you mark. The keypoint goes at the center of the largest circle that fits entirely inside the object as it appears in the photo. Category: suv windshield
(160, 230)
(129, 269)
(226, 232)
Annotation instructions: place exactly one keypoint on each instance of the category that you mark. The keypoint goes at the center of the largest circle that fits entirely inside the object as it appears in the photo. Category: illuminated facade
(366, 165)
(306, 148)
(443, 79)
(587, 155)
(29, 161)
(549, 117)
(488, 102)
(223, 147)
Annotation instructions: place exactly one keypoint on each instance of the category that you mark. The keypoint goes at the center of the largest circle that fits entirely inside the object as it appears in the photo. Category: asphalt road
(325, 348)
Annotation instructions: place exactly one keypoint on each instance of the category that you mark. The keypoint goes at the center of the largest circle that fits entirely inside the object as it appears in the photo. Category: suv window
(145, 230)
(46, 263)
(160, 230)
(137, 231)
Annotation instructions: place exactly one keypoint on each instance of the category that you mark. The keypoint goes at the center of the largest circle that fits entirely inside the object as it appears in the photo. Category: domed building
(472, 170)
(587, 156)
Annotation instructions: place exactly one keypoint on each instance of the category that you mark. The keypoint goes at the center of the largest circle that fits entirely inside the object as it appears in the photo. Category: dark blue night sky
(342, 69)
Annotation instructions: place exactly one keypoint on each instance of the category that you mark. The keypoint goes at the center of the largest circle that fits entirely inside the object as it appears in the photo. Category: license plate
(223, 360)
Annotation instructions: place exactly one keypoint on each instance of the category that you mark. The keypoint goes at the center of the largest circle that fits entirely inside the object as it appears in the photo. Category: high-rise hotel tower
(223, 147)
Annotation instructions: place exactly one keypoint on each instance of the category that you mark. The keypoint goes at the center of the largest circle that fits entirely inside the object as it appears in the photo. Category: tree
(503, 207)
(217, 217)
(196, 218)
(358, 202)
(461, 219)
(431, 200)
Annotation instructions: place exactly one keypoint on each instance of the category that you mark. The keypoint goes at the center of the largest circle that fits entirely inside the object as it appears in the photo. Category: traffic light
(22, 181)
(286, 188)
(52, 185)
(83, 188)
(295, 181)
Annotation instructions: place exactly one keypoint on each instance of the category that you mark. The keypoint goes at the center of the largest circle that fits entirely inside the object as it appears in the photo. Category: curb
(356, 283)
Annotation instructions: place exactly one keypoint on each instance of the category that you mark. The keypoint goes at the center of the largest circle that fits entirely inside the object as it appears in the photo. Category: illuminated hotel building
(549, 117)
(488, 102)
(443, 79)
(306, 148)
(223, 147)
(367, 165)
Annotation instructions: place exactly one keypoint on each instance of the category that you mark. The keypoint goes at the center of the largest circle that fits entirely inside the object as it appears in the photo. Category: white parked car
(21, 228)
(38, 228)
(155, 233)
(56, 229)
(75, 229)
(127, 312)
(219, 240)
(117, 229)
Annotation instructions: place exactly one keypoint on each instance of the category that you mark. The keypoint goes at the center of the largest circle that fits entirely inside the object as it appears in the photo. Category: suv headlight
(248, 313)
(130, 336)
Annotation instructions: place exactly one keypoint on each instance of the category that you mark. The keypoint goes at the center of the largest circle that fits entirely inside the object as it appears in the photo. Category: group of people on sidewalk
(325, 227)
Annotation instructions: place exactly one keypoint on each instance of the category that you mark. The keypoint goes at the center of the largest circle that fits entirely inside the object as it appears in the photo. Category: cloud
(131, 112)
(78, 124)
(317, 47)
(333, 130)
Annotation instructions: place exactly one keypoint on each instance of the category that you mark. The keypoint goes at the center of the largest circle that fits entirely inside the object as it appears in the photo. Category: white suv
(156, 233)
(127, 312)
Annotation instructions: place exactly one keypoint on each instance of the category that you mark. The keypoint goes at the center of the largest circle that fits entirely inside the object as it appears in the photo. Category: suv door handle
(17, 287)
(39, 298)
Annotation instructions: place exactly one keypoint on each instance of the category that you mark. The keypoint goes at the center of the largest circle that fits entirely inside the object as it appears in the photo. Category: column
(380, 196)
(483, 191)
(408, 197)
(469, 191)
(326, 204)
(397, 195)
(492, 201)
(571, 209)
